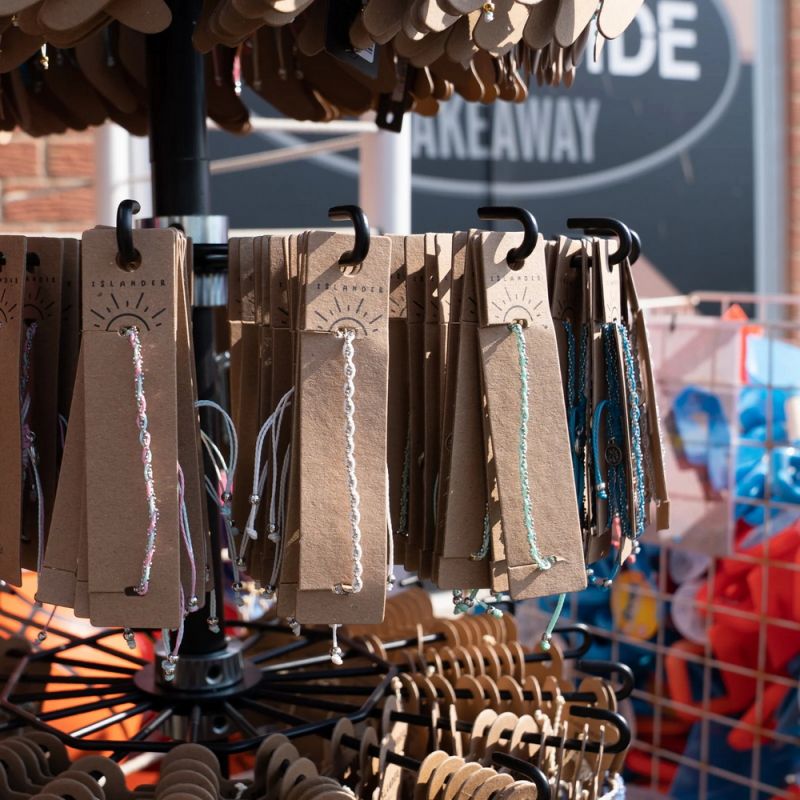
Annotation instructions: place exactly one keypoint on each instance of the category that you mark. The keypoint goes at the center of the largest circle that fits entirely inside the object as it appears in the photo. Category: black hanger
(128, 257)
(525, 769)
(296, 689)
(636, 249)
(595, 226)
(516, 255)
(576, 651)
(360, 222)
(605, 669)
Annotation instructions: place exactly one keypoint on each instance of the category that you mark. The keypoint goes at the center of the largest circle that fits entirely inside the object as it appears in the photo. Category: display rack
(233, 680)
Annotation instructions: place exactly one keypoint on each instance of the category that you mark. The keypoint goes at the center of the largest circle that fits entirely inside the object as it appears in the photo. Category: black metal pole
(178, 141)
(181, 187)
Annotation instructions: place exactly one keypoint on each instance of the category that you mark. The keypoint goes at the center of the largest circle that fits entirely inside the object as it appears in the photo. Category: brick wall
(47, 184)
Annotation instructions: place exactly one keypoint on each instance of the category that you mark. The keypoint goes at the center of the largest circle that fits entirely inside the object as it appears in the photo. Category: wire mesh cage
(709, 615)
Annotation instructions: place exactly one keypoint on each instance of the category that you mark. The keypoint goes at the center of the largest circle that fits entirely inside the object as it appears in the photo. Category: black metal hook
(614, 719)
(598, 225)
(360, 250)
(636, 247)
(607, 669)
(128, 257)
(516, 255)
(526, 769)
(578, 651)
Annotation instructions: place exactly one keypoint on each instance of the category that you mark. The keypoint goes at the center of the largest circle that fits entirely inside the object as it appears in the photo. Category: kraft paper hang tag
(397, 434)
(265, 549)
(570, 306)
(432, 372)
(500, 578)
(60, 566)
(107, 78)
(415, 292)
(627, 440)
(42, 307)
(540, 27)
(70, 325)
(464, 504)
(235, 328)
(12, 332)
(116, 502)
(432, 16)
(63, 16)
(334, 302)
(573, 17)
(152, 16)
(262, 255)
(290, 558)
(189, 450)
(450, 259)
(258, 379)
(605, 287)
(460, 45)
(498, 35)
(598, 544)
(493, 515)
(614, 18)
(611, 283)
(383, 19)
(566, 300)
(80, 604)
(248, 421)
(282, 379)
(511, 295)
(654, 438)
(443, 249)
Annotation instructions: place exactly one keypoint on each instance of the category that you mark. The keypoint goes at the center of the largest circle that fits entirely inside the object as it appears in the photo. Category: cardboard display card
(521, 295)
(397, 441)
(190, 454)
(415, 294)
(42, 307)
(116, 503)
(465, 502)
(12, 331)
(59, 569)
(651, 418)
(433, 372)
(334, 302)
(70, 325)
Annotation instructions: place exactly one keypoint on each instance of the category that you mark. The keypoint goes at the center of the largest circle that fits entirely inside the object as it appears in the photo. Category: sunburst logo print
(513, 306)
(126, 314)
(350, 315)
(8, 308)
(38, 305)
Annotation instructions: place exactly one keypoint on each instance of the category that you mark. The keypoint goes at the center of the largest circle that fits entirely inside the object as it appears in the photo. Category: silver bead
(255, 499)
(337, 656)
